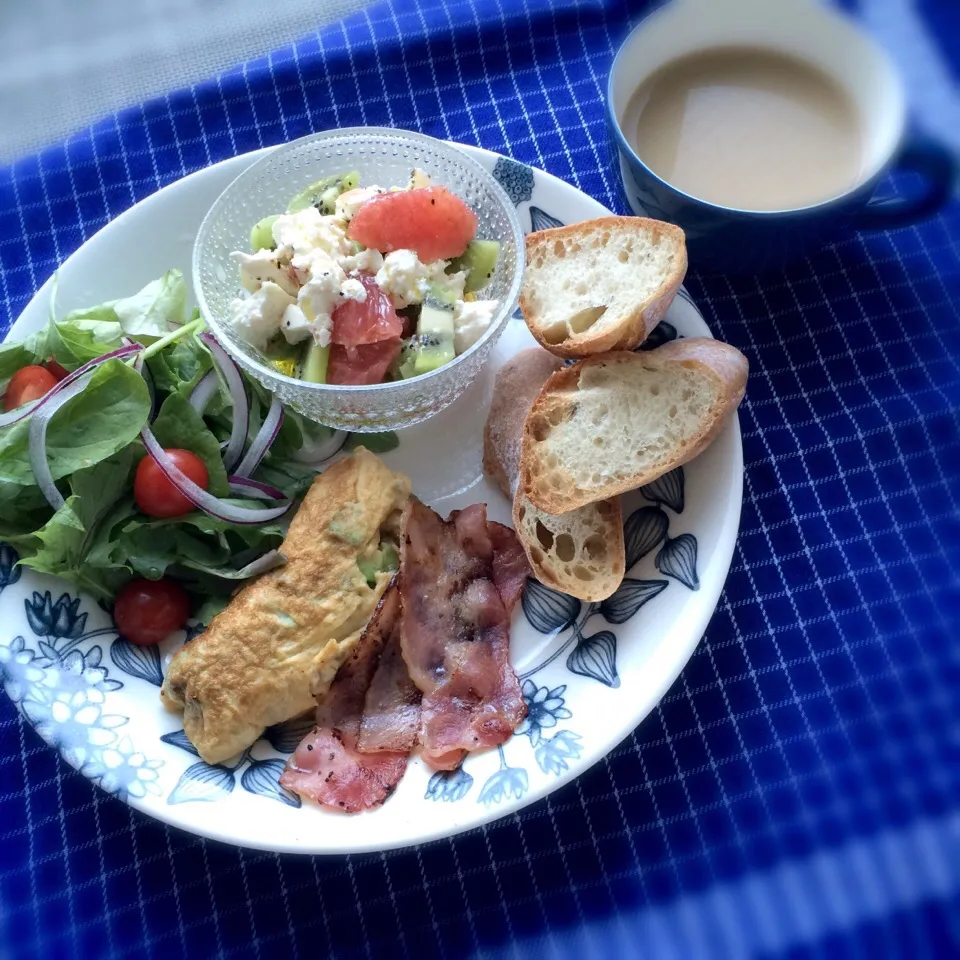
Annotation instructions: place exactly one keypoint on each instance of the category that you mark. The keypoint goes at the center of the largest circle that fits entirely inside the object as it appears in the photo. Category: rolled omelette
(281, 639)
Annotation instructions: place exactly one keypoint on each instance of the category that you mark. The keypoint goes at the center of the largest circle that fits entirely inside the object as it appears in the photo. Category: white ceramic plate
(590, 672)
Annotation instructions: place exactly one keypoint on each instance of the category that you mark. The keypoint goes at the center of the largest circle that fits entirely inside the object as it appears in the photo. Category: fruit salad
(363, 284)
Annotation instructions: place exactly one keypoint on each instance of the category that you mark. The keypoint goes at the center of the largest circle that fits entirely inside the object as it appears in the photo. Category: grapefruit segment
(433, 222)
(355, 322)
(364, 363)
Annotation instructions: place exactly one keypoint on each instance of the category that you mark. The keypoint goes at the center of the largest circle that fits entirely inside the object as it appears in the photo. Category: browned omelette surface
(280, 641)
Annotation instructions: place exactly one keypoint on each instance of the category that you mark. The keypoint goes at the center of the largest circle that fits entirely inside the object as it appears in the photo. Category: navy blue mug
(734, 240)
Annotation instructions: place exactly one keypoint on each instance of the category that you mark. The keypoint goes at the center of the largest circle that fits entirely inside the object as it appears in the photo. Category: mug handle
(938, 168)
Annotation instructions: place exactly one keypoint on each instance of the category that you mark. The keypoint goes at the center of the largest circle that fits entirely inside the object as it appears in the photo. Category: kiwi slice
(315, 364)
(323, 194)
(479, 260)
(402, 367)
(279, 348)
(434, 336)
(261, 236)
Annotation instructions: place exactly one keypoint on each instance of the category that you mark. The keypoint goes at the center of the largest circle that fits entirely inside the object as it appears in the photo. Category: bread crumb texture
(585, 282)
(580, 552)
(614, 425)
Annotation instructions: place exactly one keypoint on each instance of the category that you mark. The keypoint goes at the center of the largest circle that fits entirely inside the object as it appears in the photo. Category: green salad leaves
(105, 418)
(99, 539)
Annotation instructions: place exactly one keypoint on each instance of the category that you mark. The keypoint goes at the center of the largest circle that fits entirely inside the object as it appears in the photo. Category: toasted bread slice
(602, 284)
(580, 553)
(615, 422)
(518, 382)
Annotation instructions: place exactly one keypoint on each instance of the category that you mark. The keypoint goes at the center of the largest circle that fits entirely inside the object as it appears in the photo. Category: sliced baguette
(580, 553)
(518, 382)
(602, 284)
(615, 422)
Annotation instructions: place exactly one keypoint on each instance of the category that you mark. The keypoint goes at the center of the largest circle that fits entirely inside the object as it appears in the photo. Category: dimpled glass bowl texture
(382, 156)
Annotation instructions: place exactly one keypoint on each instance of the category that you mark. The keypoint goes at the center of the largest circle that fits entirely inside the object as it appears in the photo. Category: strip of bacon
(327, 766)
(391, 712)
(510, 565)
(326, 769)
(455, 629)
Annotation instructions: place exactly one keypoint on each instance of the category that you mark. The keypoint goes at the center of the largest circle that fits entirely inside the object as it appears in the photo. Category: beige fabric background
(66, 63)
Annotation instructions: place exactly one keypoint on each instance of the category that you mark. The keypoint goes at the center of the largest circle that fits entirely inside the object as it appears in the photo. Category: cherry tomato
(156, 496)
(147, 611)
(56, 369)
(28, 383)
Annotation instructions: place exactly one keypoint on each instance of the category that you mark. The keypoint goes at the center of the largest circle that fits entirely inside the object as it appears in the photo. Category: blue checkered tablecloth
(797, 792)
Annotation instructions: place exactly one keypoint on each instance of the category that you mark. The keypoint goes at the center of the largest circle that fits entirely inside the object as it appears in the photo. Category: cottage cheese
(314, 264)
(307, 230)
(353, 290)
(403, 277)
(257, 318)
(255, 268)
(364, 261)
(470, 322)
(406, 279)
(294, 324)
(418, 179)
(320, 295)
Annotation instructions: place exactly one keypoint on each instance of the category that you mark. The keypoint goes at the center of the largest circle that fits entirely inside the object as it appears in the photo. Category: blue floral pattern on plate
(667, 490)
(662, 333)
(204, 782)
(540, 220)
(141, 662)
(449, 785)
(62, 691)
(515, 178)
(544, 708)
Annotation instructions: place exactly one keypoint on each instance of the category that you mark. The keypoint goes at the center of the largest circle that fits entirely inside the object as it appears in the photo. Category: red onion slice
(15, 416)
(272, 423)
(254, 488)
(228, 512)
(238, 394)
(38, 441)
(204, 390)
(140, 366)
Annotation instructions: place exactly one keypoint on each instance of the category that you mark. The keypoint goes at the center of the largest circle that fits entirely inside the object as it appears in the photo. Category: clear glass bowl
(386, 157)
